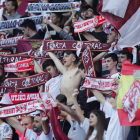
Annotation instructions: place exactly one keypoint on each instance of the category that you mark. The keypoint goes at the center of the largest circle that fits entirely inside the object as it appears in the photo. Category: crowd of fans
(80, 119)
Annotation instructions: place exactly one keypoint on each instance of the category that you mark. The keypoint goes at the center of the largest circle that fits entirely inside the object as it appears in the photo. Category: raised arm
(14, 123)
(37, 67)
(88, 36)
(77, 107)
(99, 96)
(57, 62)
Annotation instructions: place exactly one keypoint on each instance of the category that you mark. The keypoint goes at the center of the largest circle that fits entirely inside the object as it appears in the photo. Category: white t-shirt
(5, 131)
(115, 131)
(52, 86)
(31, 135)
(85, 125)
(76, 132)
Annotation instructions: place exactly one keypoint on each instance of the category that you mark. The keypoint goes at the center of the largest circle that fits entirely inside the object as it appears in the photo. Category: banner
(10, 41)
(27, 82)
(85, 25)
(4, 59)
(5, 90)
(15, 23)
(20, 66)
(22, 108)
(100, 84)
(128, 99)
(52, 7)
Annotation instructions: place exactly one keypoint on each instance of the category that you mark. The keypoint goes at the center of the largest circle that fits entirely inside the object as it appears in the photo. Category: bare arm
(55, 27)
(78, 109)
(6, 139)
(57, 62)
(37, 67)
(68, 22)
(99, 96)
(65, 115)
(99, 56)
(15, 124)
(88, 36)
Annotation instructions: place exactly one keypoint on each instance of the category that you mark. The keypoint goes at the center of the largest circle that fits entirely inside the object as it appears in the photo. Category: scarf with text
(52, 7)
(27, 82)
(5, 90)
(20, 66)
(100, 84)
(85, 25)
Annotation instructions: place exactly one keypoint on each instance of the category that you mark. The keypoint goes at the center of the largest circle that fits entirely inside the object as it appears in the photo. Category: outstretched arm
(99, 96)
(14, 123)
(89, 37)
(78, 109)
(57, 62)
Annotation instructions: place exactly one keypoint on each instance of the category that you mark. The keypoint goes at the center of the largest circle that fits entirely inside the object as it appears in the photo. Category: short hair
(128, 54)
(59, 15)
(14, 3)
(47, 63)
(113, 56)
(37, 115)
(68, 52)
(61, 98)
(81, 66)
(29, 23)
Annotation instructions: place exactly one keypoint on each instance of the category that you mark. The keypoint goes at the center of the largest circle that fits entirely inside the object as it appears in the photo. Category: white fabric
(115, 131)
(130, 32)
(5, 131)
(116, 7)
(76, 132)
(52, 86)
(31, 135)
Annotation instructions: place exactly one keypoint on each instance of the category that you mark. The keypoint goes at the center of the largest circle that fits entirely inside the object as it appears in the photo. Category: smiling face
(93, 120)
(110, 64)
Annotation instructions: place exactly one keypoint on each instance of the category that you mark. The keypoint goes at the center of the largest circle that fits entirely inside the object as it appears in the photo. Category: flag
(128, 103)
(124, 16)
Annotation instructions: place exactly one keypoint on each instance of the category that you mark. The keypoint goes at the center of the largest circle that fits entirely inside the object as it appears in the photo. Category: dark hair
(128, 54)
(37, 115)
(61, 98)
(81, 66)
(47, 63)
(32, 118)
(29, 23)
(113, 56)
(58, 15)
(81, 10)
(68, 52)
(100, 126)
(14, 3)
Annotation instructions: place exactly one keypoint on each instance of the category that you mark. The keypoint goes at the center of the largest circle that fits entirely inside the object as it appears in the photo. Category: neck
(12, 13)
(1, 122)
(72, 66)
(98, 29)
(32, 33)
(114, 70)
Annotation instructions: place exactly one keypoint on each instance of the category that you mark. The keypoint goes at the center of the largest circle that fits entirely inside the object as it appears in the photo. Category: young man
(41, 129)
(52, 86)
(29, 29)
(11, 8)
(124, 55)
(71, 78)
(89, 12)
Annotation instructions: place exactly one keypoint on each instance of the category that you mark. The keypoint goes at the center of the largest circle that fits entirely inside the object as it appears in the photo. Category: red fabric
(130, 49)
(21, 135)
(128, 68)
(58, 133)
(22, 7)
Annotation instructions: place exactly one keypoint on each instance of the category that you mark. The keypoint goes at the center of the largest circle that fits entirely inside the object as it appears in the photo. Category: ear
(129, 60)
(115, 63)
(73, 58)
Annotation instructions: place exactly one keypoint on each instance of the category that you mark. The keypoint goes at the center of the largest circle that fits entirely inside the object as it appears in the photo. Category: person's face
(66, 29)
(25, 31)
(9, 7)
(83, 14)
(89, 13)
(1, 71)
(68, 59)
(22, 74)
(93, 120)
(27, 123)
(111, 37)
(51, 70)
(110, 64)
(37, 127)
(122, 58)
(54, 18)
(82, 73)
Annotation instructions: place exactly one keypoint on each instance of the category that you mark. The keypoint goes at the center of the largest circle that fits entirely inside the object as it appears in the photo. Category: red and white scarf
(88, 24)
(20, 66)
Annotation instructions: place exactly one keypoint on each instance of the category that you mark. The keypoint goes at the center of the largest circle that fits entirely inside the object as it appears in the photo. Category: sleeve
(65, 35)
(108, 109)
(48, 136)
(7, 132)
(85, 125)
